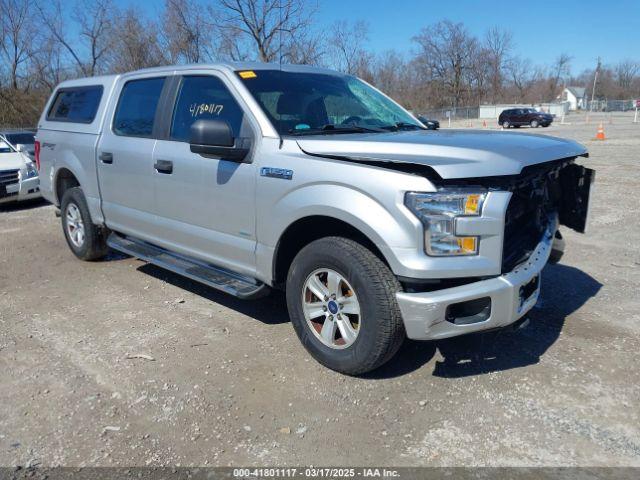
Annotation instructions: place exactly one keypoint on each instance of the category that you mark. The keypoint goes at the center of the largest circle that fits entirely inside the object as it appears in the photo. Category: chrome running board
(212, 276)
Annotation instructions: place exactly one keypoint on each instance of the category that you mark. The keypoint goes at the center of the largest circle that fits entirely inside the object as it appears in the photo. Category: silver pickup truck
(250, 177)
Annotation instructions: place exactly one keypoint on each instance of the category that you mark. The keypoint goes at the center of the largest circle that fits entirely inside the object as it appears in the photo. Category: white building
(576, 98)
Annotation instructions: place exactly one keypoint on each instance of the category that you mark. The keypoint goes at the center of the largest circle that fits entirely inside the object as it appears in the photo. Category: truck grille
(527, 216)
(8, 177)
(537, 192)
(522, 231)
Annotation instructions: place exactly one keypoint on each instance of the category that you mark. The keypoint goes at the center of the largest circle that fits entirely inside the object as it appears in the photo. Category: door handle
(164, 166)
(106, 157)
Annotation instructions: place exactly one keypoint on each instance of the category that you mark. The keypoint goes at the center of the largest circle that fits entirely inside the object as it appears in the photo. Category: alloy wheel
(75, 225)
(331, 308)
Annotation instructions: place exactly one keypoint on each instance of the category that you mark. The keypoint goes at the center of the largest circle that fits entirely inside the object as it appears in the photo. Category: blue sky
(541, 29)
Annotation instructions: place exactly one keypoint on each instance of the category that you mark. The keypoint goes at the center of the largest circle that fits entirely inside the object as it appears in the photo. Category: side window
(137, 107)
(78, 105)
(204, 97)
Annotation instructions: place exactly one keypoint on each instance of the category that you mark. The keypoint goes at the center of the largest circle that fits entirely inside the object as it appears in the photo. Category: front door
(125, 159)
(206, 205)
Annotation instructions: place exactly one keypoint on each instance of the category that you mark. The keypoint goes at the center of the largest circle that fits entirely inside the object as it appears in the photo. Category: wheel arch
(63, 181)
(305, 230)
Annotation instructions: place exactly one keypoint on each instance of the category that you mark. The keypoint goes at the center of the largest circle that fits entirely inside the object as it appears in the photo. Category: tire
(506, 124)
(86, 240)
(379, 327)
(534, 124)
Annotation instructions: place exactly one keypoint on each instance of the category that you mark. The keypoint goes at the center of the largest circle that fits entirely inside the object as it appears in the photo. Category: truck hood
(11, 161)
(451, 153)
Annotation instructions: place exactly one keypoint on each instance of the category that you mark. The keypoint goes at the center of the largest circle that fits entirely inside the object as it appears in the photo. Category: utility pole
(595, 81)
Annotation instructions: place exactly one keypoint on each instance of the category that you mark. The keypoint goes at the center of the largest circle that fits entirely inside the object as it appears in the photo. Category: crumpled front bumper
(425, 314)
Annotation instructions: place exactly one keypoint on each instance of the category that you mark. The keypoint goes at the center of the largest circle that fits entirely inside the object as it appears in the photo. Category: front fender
(385, 222)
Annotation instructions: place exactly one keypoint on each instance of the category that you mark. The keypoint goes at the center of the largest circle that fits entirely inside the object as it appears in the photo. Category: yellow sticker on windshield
(248, 74)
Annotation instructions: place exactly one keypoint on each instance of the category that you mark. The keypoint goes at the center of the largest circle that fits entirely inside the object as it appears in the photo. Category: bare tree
(347, 46)
(48, 67)
(187, 32)
(305, 48)
(497, 49)
(96, 22)
(626, 72)
(137, 43)
(559, 69)
(446, 52)
(18, 35)
(522, 77)
(263, 26)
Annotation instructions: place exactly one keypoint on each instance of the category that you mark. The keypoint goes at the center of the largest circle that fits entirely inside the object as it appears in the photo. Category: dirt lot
(231, 385)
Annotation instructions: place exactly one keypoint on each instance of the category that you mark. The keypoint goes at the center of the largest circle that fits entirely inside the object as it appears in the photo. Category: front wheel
(86, 240)
(534, 124)
(342, 303)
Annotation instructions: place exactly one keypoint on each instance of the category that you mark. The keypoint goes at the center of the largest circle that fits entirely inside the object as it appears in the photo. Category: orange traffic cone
(600, 134)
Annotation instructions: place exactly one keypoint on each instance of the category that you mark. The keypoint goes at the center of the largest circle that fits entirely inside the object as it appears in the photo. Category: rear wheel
(86, 240)
(534, 124)
(342, 303)
(506, 124)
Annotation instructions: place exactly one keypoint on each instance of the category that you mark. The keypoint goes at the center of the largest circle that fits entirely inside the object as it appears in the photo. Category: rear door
(125, 156)
(518, 115)
(206, 205)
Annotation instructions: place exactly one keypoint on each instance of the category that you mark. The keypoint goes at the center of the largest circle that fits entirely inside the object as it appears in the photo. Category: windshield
(317, 103)
(5, 148)
(20, 138)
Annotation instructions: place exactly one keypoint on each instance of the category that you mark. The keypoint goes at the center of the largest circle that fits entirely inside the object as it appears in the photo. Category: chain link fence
(611, 105)
(443, 114)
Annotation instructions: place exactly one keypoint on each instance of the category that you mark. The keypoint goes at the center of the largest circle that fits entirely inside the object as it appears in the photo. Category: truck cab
(251, 177)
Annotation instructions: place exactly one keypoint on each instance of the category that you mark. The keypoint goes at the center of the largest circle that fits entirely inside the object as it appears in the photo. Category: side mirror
(21, 148)
(214, 137)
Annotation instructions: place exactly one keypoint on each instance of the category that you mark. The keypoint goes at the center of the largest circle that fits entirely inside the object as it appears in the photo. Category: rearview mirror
(215, 138)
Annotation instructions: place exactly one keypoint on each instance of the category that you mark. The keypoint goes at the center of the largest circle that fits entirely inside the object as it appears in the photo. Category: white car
(18, 175)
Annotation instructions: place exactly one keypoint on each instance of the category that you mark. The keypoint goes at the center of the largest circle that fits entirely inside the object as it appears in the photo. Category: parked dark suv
(516, 117)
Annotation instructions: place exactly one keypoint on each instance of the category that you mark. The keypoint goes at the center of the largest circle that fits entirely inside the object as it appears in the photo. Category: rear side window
(204, 97)
(137, 107)
(77, 105)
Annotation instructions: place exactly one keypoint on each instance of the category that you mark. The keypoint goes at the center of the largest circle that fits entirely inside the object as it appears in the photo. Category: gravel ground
(225, 382)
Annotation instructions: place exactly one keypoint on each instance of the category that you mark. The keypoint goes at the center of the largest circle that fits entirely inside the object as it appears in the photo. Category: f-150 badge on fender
(276, 173)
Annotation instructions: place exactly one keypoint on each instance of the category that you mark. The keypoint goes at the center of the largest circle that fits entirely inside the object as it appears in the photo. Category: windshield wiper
(330, 129)
(403, 126)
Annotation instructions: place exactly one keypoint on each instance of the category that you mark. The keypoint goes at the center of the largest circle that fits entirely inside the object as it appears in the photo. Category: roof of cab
(229, 66)
(238, 66)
